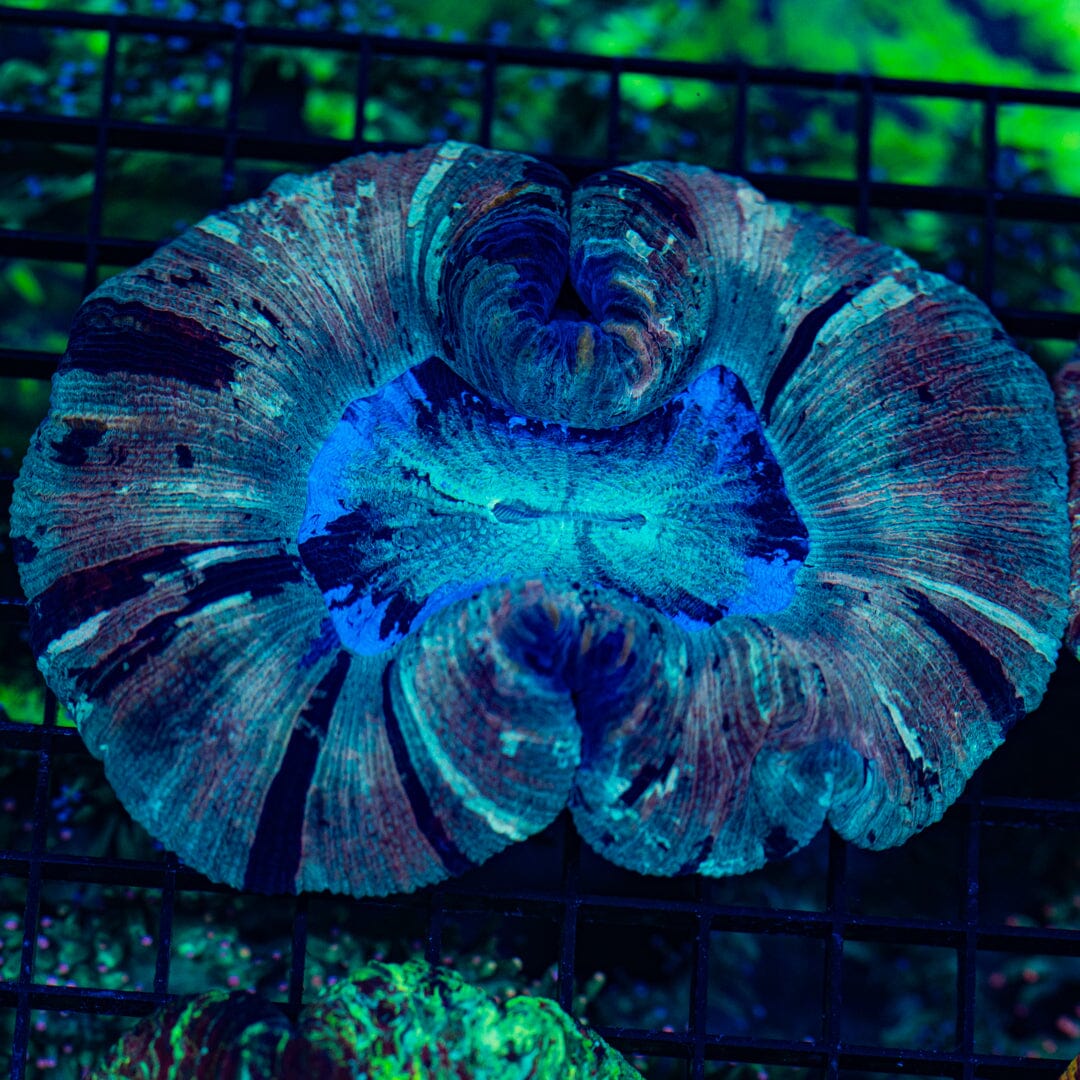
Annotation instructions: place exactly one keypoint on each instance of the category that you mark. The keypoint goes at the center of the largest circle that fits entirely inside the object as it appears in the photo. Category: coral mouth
(427, 492)
(520, 513)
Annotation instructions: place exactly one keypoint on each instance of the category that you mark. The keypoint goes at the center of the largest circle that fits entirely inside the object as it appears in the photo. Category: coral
(387, 1021)
(380, 518)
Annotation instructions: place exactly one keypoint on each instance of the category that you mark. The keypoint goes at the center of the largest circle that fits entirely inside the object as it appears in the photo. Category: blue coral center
(426, 492)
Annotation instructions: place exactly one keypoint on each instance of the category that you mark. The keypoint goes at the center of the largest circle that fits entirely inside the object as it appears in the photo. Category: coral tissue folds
(386, 1020)
(378, 519)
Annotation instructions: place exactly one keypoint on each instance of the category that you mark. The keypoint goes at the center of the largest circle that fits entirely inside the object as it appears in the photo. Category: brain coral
(387, 1022)
(378, 519)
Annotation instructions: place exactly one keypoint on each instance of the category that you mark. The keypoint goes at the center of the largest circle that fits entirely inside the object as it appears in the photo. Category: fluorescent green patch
(389, 1021)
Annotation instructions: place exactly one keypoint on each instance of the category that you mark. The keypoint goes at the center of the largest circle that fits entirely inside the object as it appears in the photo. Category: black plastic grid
(573, 905)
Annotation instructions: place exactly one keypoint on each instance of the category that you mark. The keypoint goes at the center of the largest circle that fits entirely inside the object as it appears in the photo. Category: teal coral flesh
(387, 1022)
(1067, 387)
(379, 519)
(425, 493)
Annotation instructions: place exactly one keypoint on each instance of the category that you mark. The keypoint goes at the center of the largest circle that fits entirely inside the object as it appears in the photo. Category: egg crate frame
(574, 896)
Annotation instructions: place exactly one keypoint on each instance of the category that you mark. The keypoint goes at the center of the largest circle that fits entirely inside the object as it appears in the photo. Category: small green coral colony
(379, 519)
(388, 1022)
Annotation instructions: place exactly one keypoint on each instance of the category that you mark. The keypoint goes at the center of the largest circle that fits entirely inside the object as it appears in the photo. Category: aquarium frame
(564, 900)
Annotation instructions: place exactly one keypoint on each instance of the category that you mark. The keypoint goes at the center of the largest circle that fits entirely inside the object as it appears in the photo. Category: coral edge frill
(378, 519)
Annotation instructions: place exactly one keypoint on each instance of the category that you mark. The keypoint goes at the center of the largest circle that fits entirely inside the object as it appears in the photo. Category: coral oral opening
(426, 492)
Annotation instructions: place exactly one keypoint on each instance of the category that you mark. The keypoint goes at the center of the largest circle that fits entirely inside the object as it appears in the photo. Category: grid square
(898, 995)
(252, 176)
(1027, 1005)
(343, 936)
(47, 186)
(646, 961)
(1038, 149)
(414, 100)
(505, 953)
(171, 80)
(9, 579)
(481, 946)
(551, 112)
(12, 912)
(1030, 876)
(71, 1043)
(86, 818)
(52, 71)
(18, 782)
(844, 216)
(950, 244)
(26, 401)
(37, 301)
(801, 132)
(99, 936)
(104, 272)
(878, 881)
(924, 140)
(7, 1036)
(520, 867)
(22, 689)
(1037, 265)
(766, 986)
(223, 941)
(136, 206)
(797, 882)
(532, 943)
(293, 15)
(1025, 767)
(299, 93)
(661, 1063)
(691, 120)
(598, 876)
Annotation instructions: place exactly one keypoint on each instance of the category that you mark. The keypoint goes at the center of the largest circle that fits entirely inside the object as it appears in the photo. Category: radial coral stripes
(378, 519)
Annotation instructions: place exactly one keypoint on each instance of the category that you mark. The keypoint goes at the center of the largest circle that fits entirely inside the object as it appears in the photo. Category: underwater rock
(378, 519)
(387, 1020)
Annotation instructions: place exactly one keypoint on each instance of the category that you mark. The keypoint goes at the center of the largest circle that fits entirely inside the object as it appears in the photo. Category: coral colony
(388, 1020)
(378, 519)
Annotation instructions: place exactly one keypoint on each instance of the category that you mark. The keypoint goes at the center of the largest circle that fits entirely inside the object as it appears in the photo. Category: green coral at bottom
(386, 1022)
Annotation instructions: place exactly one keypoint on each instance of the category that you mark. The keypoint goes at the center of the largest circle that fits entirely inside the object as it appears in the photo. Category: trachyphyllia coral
(378, 519)
(387, 1021)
